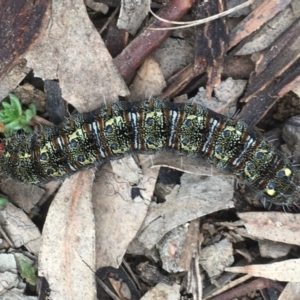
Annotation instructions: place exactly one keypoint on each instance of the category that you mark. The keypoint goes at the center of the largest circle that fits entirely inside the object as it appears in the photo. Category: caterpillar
(115, 130)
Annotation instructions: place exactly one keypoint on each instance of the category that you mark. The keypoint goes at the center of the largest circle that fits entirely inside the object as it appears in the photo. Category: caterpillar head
(284, 187)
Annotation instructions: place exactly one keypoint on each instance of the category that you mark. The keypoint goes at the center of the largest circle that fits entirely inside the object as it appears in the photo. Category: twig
(135, 53)
(199, 22)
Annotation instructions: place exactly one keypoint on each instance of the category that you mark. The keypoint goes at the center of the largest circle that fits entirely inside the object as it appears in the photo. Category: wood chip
(264, 12)
(170, 248)
(132, 14)
(215, 258)
(163, 291)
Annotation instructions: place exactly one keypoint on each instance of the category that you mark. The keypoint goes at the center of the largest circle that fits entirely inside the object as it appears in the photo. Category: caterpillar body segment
(115, 130)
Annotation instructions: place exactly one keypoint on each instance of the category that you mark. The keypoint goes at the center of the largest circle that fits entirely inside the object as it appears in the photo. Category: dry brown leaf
(20, 229)
(8, 275)
(226, 96)
(13, 78)
(28, 94)
(277, 226)
(21, 24)
(291, 291)
(215, 258)
(73, 52)
(185, 164)
(163, 291)
(195, 197)
(128, 169)
(67, 254)
(296, 88)
(287, 270)
(173, 54)
(28, 199)
(96, 6)
(119, 213)
(149, 81)
(273, 249)
(132, 14)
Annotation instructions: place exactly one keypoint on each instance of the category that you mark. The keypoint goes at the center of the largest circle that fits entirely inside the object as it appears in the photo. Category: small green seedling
(14, 118)
(3, 202)
(27, 272)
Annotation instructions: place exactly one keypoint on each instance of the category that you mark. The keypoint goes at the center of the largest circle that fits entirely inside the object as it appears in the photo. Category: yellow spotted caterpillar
(115, 130)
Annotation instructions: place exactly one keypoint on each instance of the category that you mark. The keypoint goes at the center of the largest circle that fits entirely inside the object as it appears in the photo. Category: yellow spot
(192, 117)
(287, 172)
(33, 181)
(154, 147)
(246, 172)
(233, 129)
(114, 121)
(188, 148)
(86, 162)
(7, 155)
(219, 157)
(263, 151)
(58, 173)
(270, 192)
(120, 151)
(26, 155)
(75, 134)
(46, 148)
(153, 114)
(184, 147)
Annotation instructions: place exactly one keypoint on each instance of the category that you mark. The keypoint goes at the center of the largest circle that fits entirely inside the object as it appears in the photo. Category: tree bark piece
(20, 25)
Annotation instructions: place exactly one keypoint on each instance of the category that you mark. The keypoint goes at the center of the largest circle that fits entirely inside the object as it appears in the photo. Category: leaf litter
(91, 226)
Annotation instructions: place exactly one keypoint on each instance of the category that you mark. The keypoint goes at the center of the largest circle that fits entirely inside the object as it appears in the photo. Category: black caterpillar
(119, 129)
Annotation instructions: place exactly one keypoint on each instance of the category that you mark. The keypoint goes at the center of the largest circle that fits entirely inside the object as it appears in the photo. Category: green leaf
(14, 125)
(13, 116)
(15, 102)
(3, 202)
(22, 120)
(27, 129)
(32, 107)
(6, 105)
(28, 272)
(5, 120)
(2, 113)
(28, 115)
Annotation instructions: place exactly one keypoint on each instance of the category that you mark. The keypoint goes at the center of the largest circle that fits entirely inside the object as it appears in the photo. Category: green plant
(14, 118)
(28, 272)
(3, 202)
